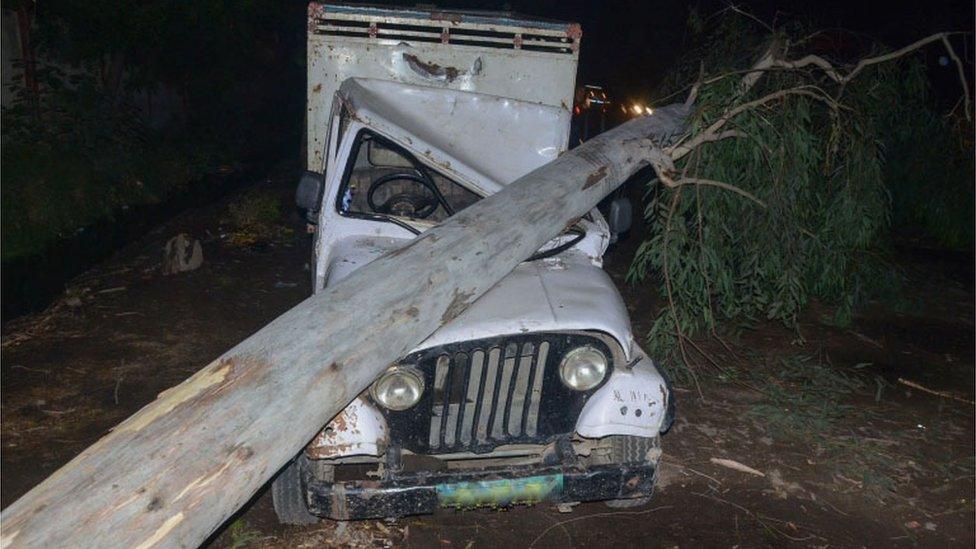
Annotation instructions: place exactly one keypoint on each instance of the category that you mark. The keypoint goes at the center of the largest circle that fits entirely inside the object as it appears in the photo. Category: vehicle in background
(589, 112)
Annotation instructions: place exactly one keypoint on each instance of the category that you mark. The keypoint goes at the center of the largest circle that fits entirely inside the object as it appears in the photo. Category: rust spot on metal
(595, 177)
(574, 32)
(445, 16)
(326, 451)
(335, 366)
(326, 444)
(316, 11)
(457, 305)
(412, 312)
(432, 70)
(317, 88)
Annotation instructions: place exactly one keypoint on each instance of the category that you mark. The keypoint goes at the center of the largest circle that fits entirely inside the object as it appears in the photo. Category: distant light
(648, 110)
(638, 110)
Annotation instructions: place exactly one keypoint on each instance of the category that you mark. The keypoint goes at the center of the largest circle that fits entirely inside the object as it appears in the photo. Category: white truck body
(457, 106)
(529, 60)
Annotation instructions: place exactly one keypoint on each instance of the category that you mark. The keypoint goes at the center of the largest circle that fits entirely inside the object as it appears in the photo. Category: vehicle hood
(564, 293)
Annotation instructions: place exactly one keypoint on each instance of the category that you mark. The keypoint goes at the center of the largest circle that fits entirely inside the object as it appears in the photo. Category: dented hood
(563, 293)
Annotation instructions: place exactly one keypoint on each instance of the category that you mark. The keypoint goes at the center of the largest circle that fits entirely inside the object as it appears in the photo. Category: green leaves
(821, 165)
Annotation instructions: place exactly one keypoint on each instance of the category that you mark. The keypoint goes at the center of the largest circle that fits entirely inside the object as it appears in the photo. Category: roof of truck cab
(476, 17)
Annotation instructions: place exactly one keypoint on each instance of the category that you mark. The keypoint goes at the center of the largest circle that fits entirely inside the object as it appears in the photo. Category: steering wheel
(407, 204)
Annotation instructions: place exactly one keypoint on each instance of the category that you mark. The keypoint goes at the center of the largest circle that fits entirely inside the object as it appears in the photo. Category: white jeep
(537, 391)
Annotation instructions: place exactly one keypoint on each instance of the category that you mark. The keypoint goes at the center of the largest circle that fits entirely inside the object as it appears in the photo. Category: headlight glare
(583, 368)
(399, 388)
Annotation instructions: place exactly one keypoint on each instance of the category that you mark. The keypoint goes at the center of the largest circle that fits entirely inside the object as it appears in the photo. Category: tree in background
(780, 190)
(128, 103)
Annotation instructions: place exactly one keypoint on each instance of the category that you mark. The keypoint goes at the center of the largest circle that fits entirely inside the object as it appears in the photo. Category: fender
(359, 430)
(635, 401)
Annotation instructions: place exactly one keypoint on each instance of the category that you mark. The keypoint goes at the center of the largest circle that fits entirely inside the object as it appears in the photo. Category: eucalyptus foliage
(813, 162)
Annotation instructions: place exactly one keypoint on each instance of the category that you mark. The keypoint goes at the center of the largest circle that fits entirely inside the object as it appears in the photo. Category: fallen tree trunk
(173, 472)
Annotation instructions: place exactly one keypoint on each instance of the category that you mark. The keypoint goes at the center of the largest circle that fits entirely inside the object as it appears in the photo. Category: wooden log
(173, 472)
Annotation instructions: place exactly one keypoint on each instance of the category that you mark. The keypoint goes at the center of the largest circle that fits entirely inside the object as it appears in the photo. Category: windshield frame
(415, 226)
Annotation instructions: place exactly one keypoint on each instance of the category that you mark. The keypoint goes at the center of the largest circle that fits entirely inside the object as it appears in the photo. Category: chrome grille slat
(520, 389)
(475, 375)
(501, 400)
(532, 410)
(487, 395)
(437, 410)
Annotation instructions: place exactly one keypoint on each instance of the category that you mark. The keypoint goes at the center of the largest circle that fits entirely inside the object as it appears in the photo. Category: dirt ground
(840, 453)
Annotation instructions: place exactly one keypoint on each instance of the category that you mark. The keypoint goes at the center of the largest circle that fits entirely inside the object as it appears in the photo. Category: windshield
(384, 180)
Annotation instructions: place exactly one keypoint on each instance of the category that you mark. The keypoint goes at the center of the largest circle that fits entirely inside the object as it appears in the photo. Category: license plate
(499, 492)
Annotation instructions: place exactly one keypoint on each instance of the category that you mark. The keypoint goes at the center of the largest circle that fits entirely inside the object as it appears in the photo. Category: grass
(242, 534)
(255, 216)
(52, 190)
(808, 401)
(255, 209)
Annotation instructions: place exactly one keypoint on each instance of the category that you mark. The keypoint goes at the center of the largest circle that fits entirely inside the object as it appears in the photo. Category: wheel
(630, 449)
(288, 494)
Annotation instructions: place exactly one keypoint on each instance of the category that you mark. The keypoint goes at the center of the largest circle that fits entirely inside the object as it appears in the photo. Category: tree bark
(173, 472)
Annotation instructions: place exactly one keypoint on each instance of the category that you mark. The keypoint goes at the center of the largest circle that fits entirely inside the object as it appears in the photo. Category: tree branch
(712, 132)
(836, 76)
(962, 77)
(712, 183)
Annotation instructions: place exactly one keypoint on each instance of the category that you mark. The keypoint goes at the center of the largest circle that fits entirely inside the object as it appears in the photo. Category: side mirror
(620, 217)
(308, 196)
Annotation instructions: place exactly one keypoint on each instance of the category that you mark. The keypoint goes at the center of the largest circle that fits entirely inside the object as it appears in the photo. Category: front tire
(631, 449)
(288, 494)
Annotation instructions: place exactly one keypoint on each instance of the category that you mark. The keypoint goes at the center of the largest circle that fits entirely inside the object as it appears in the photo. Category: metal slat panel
(487, 396)
(438, 410)
(532, 411)
(457, 394)
(503, 392)
(517, 404)
(471, 399)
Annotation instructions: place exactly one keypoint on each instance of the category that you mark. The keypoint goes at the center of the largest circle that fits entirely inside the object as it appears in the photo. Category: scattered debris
(182, 254)
(566, 507)
(783, 489)
(732, 464)
(122, 288)
(943, 394)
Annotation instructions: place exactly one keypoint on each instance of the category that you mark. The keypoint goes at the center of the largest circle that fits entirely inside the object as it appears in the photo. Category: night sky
(628, 46)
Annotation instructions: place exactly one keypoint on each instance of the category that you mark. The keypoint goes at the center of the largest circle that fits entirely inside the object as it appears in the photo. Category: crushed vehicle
(538, 391)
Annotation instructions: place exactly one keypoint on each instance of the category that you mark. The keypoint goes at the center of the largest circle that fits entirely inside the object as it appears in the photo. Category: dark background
(214, 97)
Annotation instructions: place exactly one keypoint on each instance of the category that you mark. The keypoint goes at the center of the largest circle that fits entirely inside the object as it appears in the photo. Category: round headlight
(399, 388)
(583, 368)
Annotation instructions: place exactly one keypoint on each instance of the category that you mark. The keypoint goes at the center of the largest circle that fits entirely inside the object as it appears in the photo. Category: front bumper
(425, 492)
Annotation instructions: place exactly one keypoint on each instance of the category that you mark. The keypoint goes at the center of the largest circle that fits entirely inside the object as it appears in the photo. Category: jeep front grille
(486, 393)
